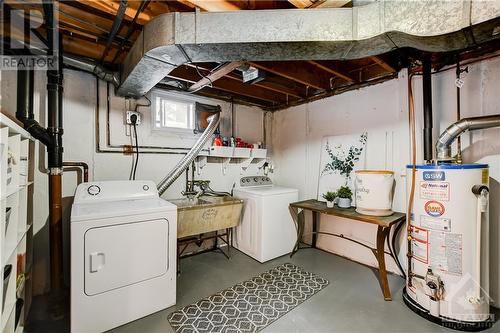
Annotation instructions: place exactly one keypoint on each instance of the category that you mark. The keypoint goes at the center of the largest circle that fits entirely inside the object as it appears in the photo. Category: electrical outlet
(130, 113)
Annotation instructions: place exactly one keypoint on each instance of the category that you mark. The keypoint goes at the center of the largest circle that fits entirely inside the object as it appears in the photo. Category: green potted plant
(329, 197)
(345, 196)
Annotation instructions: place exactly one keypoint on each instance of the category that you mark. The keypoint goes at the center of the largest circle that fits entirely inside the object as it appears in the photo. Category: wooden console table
(383, 230)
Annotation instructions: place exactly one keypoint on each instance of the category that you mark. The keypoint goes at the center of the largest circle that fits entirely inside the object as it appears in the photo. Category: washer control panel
(255, 181)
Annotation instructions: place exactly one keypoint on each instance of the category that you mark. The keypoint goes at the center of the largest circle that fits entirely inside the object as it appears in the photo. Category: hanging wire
(136, 151)
(143, 105)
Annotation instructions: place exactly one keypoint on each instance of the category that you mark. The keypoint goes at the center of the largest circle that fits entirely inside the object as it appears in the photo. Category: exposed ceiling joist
(266, 84)
(86, 9)
(332, 70)
(383, 64)
(296, 71)
(280, 89)
(112, 7)
(211, 5)
(215, 75)
(189, 74)
(319, 3)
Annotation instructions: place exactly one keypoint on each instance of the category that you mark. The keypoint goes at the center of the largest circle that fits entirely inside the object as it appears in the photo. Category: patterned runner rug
(251, 305)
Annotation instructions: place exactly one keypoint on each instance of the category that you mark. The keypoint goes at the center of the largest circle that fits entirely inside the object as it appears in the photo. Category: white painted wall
(382, 110)
(296, 137)
(79, 145)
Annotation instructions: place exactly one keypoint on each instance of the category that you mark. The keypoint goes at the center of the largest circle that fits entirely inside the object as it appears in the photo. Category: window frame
(175, 98)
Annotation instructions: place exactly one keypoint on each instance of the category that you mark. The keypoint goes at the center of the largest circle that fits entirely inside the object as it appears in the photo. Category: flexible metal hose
(191, 155)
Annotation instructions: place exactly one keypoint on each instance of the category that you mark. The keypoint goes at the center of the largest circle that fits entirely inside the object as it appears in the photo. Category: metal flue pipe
(84, 64)
(443, 145)
(191, 155)
(93, 68)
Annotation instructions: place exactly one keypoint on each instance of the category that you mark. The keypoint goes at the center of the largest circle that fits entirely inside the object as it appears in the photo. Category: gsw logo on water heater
(434, 175)
(434, 208)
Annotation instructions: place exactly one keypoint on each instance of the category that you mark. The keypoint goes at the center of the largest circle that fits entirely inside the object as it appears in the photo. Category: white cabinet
(16, 233)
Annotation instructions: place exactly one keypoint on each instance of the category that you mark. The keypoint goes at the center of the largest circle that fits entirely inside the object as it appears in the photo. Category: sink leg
(228, 237)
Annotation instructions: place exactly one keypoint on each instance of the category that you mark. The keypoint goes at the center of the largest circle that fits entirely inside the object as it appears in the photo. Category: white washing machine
(266, 230)
(123, 254)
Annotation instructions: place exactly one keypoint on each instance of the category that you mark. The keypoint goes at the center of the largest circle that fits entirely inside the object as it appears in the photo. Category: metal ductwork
(172, 39)
(214, 121)
(93, 68)
(443, 145)
(84, 64)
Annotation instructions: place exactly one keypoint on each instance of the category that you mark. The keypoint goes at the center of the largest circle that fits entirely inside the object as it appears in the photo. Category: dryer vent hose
(183, 164)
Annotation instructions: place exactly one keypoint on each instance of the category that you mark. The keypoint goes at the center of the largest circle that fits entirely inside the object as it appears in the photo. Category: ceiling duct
(172, 39)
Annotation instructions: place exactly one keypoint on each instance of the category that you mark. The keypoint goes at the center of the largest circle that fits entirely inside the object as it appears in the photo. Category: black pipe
(142, 7)
(427, 94)
(82, 165)
(24, 110)
(117, 23)
(54, 149)
(54, 92)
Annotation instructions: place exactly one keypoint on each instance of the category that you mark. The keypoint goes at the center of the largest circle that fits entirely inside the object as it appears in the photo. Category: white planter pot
(344, 203)
(329, 204)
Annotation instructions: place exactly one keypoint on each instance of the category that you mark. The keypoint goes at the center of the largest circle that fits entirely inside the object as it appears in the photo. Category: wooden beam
(189, 74)
(301, 3)
(111, 7)
(215, 75)
(383, 64)
(330, 3)
(297, 71)
(211, 5)
(85, 9)
(319, 3)
(266, 84)
(331, 70)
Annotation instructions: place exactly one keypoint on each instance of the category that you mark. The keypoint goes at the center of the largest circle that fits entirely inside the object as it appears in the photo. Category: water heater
(447, 280)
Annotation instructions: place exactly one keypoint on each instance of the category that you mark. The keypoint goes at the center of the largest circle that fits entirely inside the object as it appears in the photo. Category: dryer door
(121, 255)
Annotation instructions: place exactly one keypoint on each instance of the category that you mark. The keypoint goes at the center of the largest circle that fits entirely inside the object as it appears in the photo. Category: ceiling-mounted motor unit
(251, 74)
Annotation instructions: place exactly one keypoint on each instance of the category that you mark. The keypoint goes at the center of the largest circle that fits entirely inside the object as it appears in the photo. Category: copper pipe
(412, 123)
(55, 231)
(82, 165)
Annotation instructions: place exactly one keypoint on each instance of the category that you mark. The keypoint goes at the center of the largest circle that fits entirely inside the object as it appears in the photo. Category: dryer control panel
(255, 181)
(115, 191)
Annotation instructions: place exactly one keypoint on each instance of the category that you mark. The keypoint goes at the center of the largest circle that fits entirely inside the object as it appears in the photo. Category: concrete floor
(352, 302)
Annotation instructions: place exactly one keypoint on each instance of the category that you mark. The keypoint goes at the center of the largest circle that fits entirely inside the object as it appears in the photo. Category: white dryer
(266, 230)
(123, 254)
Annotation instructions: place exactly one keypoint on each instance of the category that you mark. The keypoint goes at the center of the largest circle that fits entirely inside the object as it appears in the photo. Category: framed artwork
(340, 157)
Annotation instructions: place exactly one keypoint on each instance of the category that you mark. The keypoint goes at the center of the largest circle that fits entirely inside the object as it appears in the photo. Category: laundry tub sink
(206, 214)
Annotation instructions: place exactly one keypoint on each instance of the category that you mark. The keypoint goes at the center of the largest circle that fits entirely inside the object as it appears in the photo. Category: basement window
(172, 113)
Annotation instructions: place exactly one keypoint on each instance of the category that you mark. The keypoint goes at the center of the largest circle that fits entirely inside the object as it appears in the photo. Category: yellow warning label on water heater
(485, 176)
